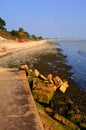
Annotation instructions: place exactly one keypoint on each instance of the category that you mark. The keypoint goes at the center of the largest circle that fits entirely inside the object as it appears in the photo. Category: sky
(46, 18)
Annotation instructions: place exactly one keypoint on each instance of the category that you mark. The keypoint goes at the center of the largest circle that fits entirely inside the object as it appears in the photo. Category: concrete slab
(17, 106)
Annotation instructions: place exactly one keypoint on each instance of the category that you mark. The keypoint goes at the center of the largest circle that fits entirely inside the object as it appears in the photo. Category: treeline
(19, 34)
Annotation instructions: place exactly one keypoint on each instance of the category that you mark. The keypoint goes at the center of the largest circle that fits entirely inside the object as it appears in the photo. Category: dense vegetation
(19, 34)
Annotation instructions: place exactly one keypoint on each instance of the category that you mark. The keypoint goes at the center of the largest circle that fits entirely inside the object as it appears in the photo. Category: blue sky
(47, 18)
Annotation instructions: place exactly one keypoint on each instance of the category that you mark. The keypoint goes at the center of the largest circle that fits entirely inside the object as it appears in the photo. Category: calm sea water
(76, 57)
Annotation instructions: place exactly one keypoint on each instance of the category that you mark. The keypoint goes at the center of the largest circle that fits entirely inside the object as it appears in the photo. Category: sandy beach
(14, 53)
(7, 46)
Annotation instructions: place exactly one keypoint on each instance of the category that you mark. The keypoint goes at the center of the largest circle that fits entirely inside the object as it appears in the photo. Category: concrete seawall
(17, 107)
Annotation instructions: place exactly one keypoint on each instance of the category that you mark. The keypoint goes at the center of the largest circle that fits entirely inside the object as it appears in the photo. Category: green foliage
(34, 37)
(40, 37)
(21, 29)
(20, 34)
(15, 34)
(27, 34)
(2, 23)
(23, 34)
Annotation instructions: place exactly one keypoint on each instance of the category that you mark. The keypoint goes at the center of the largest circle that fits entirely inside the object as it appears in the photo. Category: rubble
(43, 88)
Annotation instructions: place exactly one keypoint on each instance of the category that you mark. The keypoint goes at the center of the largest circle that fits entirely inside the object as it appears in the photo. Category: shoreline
(47, 58)
(25, 52)
(63, 71)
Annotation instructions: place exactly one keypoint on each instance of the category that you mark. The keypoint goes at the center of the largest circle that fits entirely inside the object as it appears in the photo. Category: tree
(2, 24)
(40, 37)
(14, 33)
(27, 34)
(21, 33)
(34, 37)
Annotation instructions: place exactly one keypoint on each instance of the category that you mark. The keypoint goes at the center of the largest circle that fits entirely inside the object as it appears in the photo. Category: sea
(75, 50)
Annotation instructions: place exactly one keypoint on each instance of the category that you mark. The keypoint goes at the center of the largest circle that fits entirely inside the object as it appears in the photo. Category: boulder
(43, 94)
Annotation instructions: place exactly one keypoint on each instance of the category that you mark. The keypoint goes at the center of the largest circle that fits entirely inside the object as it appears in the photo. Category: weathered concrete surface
(17, 107)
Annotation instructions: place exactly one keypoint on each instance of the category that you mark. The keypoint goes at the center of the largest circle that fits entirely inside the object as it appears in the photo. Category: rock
(42, 77)
(76, 109)
(23, 67)
(70, 102)
(36, 72)
(49, 111)
(64, 86)
(43, 88)
(69, 114)
(62, 108)
(43, 94)
(58, 82)
(65, 121)
(38, 83)
(29, 72)
(76, 118)
(49, 77)
(54, 87)
(83, 126)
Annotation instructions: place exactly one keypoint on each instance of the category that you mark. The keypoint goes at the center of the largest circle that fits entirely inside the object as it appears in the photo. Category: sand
(13, 54)
(11, 46)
